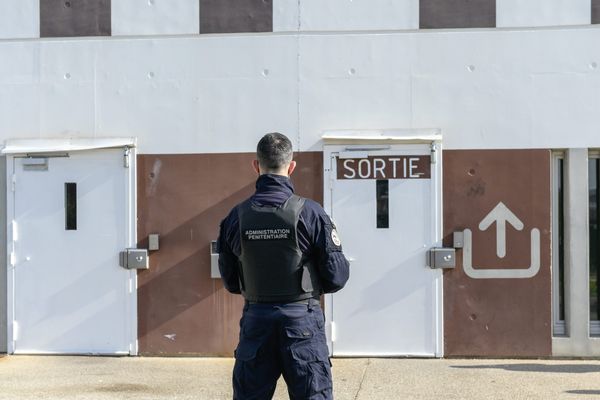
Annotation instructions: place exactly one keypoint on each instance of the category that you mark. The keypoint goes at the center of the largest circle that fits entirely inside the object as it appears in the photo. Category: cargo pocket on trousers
(310, 351)
(247, 350)
(252, 337)
(245, 369)
(320, 378)
(303, 346)
(248, 357)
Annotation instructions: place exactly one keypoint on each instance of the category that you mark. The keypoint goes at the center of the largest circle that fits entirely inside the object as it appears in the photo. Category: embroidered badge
(335, 238)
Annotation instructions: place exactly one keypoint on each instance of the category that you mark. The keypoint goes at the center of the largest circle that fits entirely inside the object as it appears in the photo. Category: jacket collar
(274, 183)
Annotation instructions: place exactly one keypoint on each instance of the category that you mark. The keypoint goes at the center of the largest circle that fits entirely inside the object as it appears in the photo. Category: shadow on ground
(564, 368)
(596, 392)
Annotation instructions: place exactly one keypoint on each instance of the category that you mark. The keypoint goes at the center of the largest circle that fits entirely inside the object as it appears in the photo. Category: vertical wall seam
(412, 60)
(37, 22)
(410, 81)
(38, 67)
(298, 76)
(95, 100)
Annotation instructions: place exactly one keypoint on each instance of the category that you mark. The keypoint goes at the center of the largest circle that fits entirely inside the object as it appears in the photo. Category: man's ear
(291, 168)
(256, 166)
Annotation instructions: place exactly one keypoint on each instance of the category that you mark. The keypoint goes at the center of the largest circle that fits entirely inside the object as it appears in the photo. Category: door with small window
(70, 217)
(385, 202)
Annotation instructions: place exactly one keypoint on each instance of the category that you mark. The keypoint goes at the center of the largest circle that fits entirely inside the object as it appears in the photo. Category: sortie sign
(385, 167)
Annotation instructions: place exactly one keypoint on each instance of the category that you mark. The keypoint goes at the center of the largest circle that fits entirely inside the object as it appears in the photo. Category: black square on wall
(595, 11)
(229, 16)
(74, 18)
(439, 14)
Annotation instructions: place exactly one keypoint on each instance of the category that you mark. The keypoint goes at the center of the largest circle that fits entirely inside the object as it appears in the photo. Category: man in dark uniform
(281, 252)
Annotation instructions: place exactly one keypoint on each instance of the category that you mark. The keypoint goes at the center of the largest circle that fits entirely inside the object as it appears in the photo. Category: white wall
(345, 15)
(219, 93)
(155, 17)
(513, 13)
(19, 19)
(536, 88)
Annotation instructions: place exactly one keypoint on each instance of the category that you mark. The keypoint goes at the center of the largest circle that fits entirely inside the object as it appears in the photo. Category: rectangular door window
(70, 206)
(383, 203)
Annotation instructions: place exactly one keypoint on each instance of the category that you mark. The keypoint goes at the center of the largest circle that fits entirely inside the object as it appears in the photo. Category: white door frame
(19, 148)
(370, 140)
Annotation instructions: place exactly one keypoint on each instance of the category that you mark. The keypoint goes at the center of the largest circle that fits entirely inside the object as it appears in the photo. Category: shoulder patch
(335, 237)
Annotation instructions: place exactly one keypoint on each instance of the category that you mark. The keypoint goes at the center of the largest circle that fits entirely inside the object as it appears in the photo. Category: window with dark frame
(70, 206)
(383, 204)
(561, 239)
(558, 263)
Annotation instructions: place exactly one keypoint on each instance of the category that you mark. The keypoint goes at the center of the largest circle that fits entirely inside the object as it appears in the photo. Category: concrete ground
(49, 377)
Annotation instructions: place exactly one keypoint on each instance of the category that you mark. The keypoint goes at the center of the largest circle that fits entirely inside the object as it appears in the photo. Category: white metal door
(71, 218)
(392, 303)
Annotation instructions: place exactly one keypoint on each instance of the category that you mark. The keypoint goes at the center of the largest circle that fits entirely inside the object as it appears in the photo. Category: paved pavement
(50, 377)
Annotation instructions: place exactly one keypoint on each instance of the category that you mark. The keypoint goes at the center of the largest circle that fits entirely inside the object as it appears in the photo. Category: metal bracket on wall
(134, 259)
(214, 260)
(441, 257)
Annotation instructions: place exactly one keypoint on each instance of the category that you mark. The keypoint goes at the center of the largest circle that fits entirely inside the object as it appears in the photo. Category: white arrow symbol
(500, 215)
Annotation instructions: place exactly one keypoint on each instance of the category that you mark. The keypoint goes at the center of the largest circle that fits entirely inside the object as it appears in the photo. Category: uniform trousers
(282, 339)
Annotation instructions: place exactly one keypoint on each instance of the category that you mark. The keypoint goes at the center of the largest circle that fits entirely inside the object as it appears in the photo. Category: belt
(311, 301)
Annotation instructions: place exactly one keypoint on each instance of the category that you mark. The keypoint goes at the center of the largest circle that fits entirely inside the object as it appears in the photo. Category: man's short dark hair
(274, 151)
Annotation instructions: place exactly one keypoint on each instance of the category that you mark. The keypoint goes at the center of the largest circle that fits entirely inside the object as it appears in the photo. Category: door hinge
(126, 153)
(332, 177)
(15, 231)
(433, 152)
(13, 182)
(15, 331)
(333, 331)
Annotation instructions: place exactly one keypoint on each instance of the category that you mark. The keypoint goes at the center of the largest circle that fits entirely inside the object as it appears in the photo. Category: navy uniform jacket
(315, 237)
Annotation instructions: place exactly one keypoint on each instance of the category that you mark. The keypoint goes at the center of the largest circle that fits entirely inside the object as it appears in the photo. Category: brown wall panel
(229, 16)
(75, 18)
(435, 14)
(595, 11)
(498, 317)
(181, 310)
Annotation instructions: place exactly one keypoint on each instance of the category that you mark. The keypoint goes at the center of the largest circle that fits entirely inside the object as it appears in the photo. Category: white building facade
(125, 119)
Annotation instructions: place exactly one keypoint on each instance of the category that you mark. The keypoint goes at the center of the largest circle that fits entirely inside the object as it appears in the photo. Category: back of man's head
(274, 152)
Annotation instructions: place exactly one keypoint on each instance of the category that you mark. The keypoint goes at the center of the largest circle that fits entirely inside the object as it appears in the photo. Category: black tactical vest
(273, 268)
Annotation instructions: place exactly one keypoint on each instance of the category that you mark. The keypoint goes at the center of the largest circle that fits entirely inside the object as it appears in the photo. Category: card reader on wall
(214, 260)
